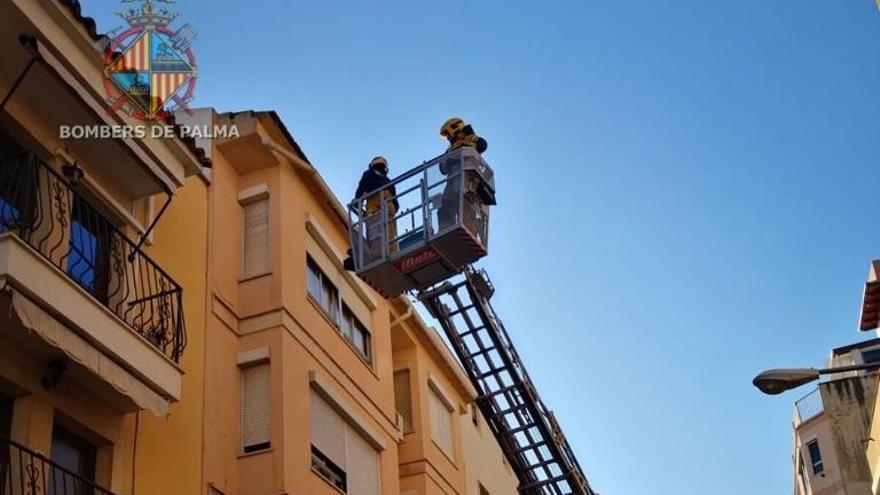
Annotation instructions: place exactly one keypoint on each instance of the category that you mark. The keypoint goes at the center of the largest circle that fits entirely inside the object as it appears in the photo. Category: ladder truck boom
(431, 225)
(526, 430)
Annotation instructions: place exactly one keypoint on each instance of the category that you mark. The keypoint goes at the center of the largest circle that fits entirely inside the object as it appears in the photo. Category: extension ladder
(526, 430)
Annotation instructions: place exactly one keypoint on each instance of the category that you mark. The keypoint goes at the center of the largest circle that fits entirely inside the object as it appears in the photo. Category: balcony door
(89, 259)
(77, 457)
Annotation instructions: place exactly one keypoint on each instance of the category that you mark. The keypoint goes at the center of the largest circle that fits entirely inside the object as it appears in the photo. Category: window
(255, 410)
(441, 421)
(88, 261)
(75, 454)
(339, 453)
(322, 291)
(403, 398)
(871, 356)
(355, 332)
(256, 238)
(815, 456)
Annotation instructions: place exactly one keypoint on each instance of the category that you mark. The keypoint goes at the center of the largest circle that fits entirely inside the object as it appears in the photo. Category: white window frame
(341, 309)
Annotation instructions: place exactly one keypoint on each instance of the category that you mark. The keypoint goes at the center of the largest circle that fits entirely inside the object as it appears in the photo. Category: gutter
(309, 169)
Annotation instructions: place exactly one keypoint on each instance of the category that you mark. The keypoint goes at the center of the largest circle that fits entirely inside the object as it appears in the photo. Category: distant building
(869, 321)
(832, 425)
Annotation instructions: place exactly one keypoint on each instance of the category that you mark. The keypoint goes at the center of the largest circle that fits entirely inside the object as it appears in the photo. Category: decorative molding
(253, 357)
(253, 194)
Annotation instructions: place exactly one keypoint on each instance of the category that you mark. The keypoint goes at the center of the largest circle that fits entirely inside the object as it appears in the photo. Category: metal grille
(53, 218)
(526, 430)
(25, 472)
(808, 407)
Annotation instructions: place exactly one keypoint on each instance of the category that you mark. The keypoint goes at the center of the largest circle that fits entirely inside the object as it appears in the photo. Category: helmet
(451, 127)
(379, 162)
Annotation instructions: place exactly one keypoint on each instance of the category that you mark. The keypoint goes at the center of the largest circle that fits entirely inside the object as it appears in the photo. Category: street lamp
(774, 382)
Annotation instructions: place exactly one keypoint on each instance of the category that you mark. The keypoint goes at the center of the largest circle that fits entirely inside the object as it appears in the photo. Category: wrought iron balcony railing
(25, 472)
(52, 217)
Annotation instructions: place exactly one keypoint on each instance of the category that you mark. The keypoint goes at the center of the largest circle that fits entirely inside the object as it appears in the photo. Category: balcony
(39, 206)
(81, 286)
(808, 407)
(25, 472)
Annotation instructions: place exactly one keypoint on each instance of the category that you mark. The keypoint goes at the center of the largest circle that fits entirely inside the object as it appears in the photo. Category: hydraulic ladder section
(526, 430)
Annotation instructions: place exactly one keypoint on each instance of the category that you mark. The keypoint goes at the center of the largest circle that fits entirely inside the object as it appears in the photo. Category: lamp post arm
(852, 367)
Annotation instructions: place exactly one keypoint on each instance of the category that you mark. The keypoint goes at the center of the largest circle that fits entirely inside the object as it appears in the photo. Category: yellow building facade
(305, 361)
(101, 336)
(175, 317)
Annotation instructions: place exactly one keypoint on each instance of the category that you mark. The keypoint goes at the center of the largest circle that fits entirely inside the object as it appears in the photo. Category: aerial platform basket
(441, 226)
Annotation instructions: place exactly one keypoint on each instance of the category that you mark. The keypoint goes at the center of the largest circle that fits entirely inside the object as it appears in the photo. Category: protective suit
(373, 179)
(478, 194)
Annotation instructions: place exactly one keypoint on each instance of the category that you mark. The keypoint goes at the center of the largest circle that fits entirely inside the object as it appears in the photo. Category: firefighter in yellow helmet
(459, 134)
(374, 179)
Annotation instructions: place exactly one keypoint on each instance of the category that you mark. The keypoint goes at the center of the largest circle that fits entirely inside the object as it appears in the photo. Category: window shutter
(363, 465)
(255, 411)
(327, 430)
(256, 238)
(403, 399)
(441, 422)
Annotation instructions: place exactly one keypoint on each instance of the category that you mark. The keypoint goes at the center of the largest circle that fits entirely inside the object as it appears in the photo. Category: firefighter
(374, 178)
(459, 134)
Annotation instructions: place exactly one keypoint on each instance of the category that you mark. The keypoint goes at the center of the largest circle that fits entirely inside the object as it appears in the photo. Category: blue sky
(686, 191)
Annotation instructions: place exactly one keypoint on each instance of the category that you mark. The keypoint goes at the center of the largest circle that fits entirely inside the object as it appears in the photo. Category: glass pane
(8, 215)
(77, 456)
(333, 301)
(88, 254)
(871, 356)
(359, 340)
(346, 324)
(83, 255)
(314, 282)
(815, 456)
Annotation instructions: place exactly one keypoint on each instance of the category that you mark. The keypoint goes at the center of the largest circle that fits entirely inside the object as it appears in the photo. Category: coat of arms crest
(149, 69)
